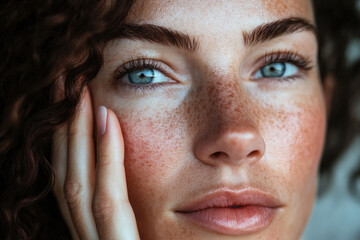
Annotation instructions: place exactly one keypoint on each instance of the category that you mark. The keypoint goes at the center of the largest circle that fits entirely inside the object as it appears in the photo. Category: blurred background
(336, 214)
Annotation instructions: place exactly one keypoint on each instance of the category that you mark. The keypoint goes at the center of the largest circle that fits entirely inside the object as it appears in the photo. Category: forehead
(219, 14)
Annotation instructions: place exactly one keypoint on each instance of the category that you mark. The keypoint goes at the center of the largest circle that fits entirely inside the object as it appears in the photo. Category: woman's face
(223, 116)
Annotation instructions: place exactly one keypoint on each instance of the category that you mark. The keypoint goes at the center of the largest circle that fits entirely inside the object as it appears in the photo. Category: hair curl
(42, 40)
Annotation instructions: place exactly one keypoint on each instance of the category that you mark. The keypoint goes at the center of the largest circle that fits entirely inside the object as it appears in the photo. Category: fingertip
(114, 122)
(85, 98)
(109, 137)
(111, 142)
(101, 120)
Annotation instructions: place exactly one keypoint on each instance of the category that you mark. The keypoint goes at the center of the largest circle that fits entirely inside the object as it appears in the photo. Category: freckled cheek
(309, 145)
(302, 162)
(152, 156)
(298, 145)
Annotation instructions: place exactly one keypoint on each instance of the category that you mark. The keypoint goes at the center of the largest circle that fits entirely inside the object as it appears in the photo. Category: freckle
(277, 6)
(281, 7)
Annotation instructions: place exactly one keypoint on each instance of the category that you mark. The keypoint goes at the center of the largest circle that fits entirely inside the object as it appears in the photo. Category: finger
(59, 157)
(79, 183)
(113, 213)
(59, 164)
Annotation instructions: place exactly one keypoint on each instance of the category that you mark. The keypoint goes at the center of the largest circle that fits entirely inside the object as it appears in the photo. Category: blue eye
(277, 70)
(146, 76)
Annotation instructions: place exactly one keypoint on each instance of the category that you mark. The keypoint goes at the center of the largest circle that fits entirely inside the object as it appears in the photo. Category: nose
(229, 133)
(234, 143)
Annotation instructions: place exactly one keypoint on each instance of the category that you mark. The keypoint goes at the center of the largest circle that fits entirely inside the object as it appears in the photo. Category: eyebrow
(268, 31)
(169, 37)
(158, 34)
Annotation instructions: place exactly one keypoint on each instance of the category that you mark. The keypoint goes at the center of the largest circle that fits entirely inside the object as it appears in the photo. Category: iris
(143, 76)
(273, 70)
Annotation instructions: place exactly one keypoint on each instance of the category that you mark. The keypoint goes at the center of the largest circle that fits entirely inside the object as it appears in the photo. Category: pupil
(144, 76)
(274, 70)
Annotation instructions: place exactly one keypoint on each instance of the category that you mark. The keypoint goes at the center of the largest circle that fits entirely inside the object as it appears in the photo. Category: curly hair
(41, 41)
(44, 40)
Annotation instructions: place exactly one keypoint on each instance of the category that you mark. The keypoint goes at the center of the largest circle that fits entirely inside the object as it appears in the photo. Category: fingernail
(101, 117)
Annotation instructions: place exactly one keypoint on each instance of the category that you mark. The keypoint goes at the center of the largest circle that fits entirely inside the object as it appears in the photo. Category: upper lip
(225, 198)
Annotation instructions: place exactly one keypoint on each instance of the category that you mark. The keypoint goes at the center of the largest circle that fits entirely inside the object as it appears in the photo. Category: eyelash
(139, 64)
(287, 56)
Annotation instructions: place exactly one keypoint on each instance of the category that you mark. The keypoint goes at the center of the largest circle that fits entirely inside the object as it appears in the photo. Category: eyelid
(286, 56)
(142, 63)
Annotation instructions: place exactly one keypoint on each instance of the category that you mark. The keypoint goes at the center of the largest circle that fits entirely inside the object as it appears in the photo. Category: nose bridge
(229, 104)
(230, 134)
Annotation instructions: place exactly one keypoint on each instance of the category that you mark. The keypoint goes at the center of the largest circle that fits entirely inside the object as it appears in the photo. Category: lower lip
(233, 221)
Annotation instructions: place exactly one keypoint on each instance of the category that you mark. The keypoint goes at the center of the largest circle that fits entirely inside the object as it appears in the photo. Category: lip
(232, 212)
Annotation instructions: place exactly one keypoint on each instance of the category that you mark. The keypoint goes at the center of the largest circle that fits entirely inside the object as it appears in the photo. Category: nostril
(216, 154)
(253, 154)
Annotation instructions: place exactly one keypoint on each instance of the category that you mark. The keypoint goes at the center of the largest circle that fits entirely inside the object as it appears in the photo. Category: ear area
(329, 87)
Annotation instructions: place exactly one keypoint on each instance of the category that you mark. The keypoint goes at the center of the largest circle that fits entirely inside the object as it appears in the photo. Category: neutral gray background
(336, 214)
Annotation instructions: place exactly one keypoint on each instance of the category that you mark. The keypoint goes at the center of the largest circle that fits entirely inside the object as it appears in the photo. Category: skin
(269, 133)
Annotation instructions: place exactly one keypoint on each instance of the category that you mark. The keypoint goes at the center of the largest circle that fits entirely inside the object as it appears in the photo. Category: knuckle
(105, 162)
(103, 207)
(73, 192)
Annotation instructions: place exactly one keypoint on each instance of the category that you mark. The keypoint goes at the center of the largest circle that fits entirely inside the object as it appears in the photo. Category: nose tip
(231, 146)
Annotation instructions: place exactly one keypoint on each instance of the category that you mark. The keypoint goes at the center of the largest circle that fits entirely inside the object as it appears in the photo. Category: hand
(93, 200)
